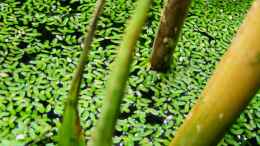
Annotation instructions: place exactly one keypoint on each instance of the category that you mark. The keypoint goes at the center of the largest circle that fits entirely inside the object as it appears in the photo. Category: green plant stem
(231, 87)
(70, 132)
(102, 135)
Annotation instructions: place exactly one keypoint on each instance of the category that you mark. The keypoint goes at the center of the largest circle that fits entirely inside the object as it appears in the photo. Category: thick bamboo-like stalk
(70, 132)
(171, 22)
(231, 87)
(102, 135)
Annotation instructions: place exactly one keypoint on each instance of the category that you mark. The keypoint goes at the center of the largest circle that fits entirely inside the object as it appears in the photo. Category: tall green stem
(103, 133)
(70, 132)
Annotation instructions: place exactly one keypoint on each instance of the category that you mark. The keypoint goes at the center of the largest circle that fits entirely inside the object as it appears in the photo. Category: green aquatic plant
(40, 46)
(70, 133)
(102, 135)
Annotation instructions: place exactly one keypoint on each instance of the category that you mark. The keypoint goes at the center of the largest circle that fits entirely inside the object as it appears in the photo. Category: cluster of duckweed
(39, 48)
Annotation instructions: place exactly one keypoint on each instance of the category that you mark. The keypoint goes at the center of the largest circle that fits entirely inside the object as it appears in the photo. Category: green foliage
(40, 46)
